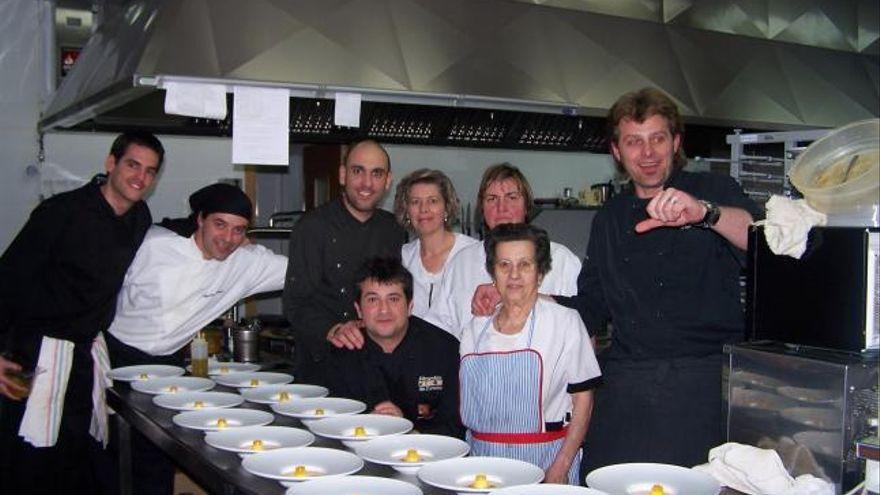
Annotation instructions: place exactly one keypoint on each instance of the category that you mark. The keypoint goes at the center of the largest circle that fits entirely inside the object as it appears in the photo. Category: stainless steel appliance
(830, 298)
(810, 405)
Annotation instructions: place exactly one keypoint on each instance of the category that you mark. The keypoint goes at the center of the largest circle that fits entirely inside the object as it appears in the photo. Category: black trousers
(666, 411)
(152, 470)
(70, 466)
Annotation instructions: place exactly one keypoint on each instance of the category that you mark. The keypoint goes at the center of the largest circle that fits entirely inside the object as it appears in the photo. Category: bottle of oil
(199, 356)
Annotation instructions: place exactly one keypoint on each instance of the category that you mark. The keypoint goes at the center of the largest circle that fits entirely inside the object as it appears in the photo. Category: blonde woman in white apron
(527, 372)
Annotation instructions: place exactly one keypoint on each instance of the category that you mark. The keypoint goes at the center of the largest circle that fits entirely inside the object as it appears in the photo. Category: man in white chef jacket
(181, 280)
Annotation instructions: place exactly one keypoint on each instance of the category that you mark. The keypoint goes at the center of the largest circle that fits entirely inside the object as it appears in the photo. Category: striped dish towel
(45, 405)
(100, 382)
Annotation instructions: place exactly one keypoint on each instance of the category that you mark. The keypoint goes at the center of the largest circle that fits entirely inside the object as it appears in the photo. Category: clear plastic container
(839, 174)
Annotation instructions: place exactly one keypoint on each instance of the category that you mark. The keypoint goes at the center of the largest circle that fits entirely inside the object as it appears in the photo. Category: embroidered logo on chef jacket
(430, 383)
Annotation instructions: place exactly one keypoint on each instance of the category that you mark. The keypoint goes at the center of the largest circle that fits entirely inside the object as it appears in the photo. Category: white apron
(501, 405)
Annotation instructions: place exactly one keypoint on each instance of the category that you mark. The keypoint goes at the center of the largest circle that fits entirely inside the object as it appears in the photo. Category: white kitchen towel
(759, 472)
(100, 382)
(788, 224)
(45, 405)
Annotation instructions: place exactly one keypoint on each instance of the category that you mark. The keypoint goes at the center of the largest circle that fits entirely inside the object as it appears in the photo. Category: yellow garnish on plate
(283, 397)
(221, 423)
(359, 431)
(480, 481)
(302, 472)
(224, 369)
(172, 389)
(198, 404)
(657, 490)
(257, 445)
(255, 382)
(319, 412)
(412, 455)
(143, 376)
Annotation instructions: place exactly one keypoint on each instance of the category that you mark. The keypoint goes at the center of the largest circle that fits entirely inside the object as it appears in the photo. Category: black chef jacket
(62, 272)
(669, 292)
(327, 247)
(59, 278)
(420, 377)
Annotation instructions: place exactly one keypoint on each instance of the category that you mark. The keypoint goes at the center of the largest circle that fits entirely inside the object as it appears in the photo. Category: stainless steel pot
(602, 191)
(246, 343)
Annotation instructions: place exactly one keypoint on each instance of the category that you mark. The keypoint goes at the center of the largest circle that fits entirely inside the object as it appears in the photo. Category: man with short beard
(327, 246)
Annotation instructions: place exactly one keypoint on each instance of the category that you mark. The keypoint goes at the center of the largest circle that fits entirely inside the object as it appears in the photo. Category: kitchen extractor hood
(450, 72)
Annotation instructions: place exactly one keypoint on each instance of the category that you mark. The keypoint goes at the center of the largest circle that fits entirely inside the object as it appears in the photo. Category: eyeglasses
(522, 266)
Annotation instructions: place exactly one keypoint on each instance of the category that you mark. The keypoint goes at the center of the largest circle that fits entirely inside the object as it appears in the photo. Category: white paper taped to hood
(788, 224)
(759, 472)
(195, 99)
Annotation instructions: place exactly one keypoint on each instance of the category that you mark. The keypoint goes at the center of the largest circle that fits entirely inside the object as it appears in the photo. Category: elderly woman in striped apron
(528, 370)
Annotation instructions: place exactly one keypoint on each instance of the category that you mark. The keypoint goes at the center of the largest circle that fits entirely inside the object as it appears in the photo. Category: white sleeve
(578, 352)
(564, 271)
(442, 312)
(265, 270)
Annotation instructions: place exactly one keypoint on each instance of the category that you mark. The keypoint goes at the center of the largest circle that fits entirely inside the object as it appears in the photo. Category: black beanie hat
(221, 198)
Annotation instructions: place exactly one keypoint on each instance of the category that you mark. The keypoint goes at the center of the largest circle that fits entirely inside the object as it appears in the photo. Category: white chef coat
(560, 338)
(170, 291)
(467, 270)
(426, 285)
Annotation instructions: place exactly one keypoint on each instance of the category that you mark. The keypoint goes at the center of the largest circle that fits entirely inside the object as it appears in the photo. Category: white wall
(72, 158)
(21, 95)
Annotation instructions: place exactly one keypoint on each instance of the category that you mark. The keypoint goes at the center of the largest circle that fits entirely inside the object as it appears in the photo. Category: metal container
(602, 192)
(246, 343)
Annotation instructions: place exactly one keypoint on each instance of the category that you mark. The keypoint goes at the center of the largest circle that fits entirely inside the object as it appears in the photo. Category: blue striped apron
(501, 404)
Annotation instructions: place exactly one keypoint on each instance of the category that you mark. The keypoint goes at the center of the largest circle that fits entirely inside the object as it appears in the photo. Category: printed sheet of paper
(195, 99)
(260, 120)
(348, 109)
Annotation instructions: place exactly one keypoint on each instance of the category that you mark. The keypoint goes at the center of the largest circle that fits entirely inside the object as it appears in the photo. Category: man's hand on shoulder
(486, 298)
(347, 334)
(388, 408)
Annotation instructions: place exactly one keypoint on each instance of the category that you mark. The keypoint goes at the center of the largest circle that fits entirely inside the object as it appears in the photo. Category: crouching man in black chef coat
(406, 367)
(58, 284)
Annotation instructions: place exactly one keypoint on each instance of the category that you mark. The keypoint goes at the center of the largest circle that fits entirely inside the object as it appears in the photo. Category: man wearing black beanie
(180, 281)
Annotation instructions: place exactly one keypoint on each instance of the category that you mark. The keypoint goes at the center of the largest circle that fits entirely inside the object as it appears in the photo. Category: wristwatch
(713, 213)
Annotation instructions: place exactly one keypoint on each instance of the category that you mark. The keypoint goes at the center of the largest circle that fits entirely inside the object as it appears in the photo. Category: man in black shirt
(407, 367)
(662, 265)
(326, 248)
(58, 284)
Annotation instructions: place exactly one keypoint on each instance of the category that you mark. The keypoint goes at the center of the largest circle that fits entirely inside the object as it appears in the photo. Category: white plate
(143, 372)
(360, 485)
(814, 417)
(227, 367)
(392, 451)
(458, 474)
(241, 440)
(811, 395)
(638, 478)
(187, 400)
(318, 462)
(251, 379)
(346, 428)
(173, 385)
(271, 394)
(306, 410)
(547, 490)
(235, 418)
